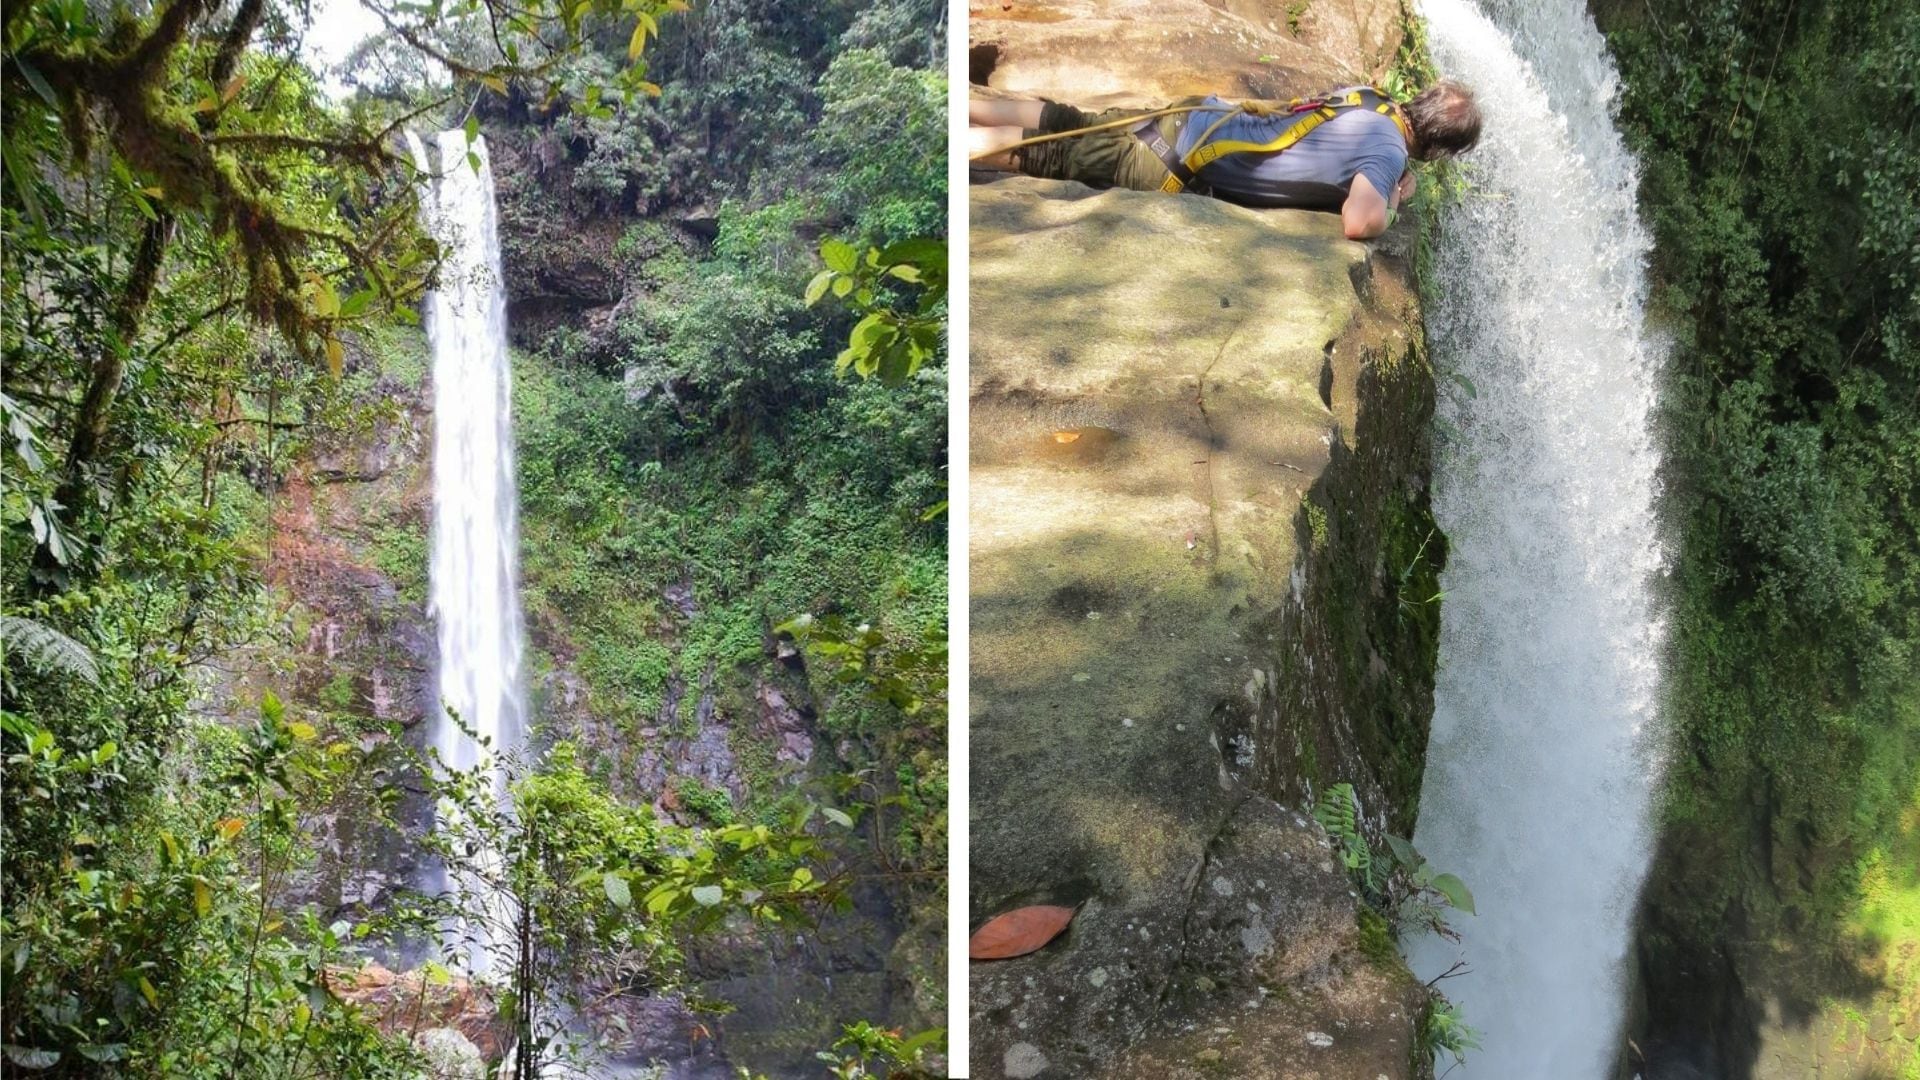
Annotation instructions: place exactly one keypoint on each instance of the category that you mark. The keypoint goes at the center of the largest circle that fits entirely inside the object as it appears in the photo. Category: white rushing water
(1545, 748)
(475, 559)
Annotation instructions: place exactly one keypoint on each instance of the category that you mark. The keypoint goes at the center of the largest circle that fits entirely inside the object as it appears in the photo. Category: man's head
(1444, 119)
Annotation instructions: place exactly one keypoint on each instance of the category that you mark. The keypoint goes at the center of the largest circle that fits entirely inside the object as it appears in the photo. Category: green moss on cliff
(1356, 666)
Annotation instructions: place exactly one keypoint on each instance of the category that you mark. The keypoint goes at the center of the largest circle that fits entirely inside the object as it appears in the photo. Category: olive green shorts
(1111, 158)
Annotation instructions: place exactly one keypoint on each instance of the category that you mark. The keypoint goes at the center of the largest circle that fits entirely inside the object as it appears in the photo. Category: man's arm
(1365, 212)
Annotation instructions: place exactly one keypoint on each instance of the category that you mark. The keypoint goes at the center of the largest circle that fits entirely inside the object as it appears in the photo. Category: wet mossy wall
(1346, 695)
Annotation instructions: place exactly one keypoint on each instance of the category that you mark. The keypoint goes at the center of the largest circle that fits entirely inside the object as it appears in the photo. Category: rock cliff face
(1200, 564)
(349, 647)
(1131, 52)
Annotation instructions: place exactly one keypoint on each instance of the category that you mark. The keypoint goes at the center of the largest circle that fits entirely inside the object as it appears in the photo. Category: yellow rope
(1125, 121)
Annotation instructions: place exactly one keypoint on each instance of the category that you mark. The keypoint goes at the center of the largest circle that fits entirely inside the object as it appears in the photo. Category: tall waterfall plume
(475, 595)
(1545, 751)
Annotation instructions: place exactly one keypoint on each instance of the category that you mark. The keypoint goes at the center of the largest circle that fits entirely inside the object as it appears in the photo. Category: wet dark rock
(661, 1030)
(707, 755)
(787, 727)
(680, 595)
(701, 221)
(794, 986)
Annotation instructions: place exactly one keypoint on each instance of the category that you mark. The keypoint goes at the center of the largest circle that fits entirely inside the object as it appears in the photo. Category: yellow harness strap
(1205, 151)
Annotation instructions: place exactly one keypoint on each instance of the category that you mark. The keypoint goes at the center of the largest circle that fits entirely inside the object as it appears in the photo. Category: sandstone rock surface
(1157, 385)
(1147, 52)
(1198, 515)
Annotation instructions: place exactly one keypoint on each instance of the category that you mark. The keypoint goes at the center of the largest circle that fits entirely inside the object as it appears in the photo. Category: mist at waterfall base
(1544, 755)
(474, 569)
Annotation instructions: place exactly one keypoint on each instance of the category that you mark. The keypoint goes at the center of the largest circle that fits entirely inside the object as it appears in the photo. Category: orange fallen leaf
(1018, 932)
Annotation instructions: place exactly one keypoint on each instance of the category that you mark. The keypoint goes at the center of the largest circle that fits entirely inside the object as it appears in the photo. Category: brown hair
(1444, 119)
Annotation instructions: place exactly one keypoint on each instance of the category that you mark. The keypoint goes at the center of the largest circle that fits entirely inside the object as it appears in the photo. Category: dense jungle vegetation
(1781, 168)
(210, 271)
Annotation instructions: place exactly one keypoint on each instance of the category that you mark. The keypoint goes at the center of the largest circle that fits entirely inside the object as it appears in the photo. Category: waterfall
(1544, 755)
(475, 598)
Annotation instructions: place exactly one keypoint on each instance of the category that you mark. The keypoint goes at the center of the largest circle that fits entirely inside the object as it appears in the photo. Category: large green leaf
(47, 649)
(617, 890)
(1455, 891)
(28, 1058)
(838, 255)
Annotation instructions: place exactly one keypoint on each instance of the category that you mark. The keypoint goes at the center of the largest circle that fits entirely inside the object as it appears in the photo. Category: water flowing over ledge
(1544, 756)
(475, 600)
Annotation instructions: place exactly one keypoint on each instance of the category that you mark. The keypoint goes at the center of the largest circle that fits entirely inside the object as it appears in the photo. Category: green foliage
(400, 552)
(1443, 1031)
(707, 449)
(820, 509)
(575, 892)
(1413, 69)
(47, 649)
(339, 693)
(1338, 813)
(1398, 881)
(718, 351)
(768, 237)
(762, 101)
(1418, 585)
(907, 679)
(1403, 894)
(1376, 936)
(160, 944)
(195, 116)
(710, 803)
(1316, 523)
(882, 145)
(864, 1051)
(1779, 179)
(886, 342)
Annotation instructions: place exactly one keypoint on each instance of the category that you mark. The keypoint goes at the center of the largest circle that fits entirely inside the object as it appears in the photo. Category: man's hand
(1404, 189)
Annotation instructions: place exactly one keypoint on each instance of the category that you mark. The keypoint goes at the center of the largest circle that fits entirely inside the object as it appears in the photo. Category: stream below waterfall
(1545, 750)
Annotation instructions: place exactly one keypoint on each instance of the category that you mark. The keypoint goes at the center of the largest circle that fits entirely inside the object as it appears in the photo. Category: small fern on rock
(1338, 812)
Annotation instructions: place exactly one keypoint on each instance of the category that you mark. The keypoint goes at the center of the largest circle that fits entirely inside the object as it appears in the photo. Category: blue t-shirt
(1316, 171)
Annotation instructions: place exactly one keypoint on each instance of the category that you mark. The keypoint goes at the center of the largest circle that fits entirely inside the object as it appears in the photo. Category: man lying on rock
(1346, 151)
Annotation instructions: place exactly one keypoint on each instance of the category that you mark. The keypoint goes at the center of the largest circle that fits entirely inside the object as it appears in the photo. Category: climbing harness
(1310, 113)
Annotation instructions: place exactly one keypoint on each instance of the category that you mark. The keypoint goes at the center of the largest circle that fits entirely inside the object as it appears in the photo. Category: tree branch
(240, 31)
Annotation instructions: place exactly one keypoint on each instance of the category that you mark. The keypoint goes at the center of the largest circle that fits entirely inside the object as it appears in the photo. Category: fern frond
(1338, 812)
(48, 649)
